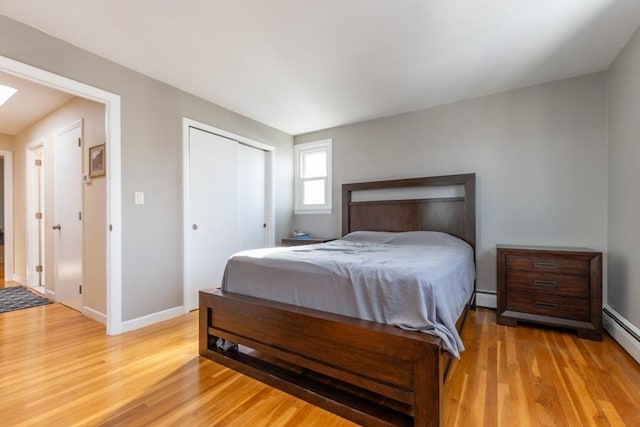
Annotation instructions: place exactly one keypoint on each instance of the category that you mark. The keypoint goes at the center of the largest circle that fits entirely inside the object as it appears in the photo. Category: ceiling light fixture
(6, 92)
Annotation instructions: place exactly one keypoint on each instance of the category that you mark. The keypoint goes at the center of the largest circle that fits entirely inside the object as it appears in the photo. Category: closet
(226, 205)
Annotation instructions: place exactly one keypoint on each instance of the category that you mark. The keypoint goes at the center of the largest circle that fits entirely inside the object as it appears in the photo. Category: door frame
(8, 214)
(269, 190)
(111, 101)
(32, 232)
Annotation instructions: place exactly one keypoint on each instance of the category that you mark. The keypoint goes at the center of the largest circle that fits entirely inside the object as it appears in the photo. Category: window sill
(312, 211)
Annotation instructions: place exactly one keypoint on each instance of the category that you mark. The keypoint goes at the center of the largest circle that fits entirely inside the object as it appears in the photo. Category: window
(313, 177)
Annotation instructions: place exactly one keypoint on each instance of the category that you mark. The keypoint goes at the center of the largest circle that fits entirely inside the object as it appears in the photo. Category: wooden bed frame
(367, 372)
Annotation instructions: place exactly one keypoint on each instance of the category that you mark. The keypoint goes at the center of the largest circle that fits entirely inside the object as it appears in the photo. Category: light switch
(139, 195)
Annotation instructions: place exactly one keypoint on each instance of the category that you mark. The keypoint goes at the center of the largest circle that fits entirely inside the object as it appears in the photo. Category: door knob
(57, 227)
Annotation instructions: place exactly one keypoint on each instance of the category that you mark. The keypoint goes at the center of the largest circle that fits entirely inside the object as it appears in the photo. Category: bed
(372, 373)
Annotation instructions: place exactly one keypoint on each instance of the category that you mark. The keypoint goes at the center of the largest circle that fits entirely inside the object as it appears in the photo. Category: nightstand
(291, 241)
(551, 286)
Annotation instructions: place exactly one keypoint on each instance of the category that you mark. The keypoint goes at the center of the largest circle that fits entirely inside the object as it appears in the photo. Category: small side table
(551, 286)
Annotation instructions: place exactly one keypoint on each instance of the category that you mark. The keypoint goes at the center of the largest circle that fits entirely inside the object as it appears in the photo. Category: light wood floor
(58, 368)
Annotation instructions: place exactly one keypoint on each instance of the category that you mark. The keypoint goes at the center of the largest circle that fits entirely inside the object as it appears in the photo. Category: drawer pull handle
(546, 283)
(545, 305)
(545, 265)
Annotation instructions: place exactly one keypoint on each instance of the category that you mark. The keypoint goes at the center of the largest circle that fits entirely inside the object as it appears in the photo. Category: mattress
(418, 280)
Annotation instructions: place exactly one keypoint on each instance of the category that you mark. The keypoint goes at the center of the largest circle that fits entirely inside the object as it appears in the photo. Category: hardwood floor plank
(59, 368)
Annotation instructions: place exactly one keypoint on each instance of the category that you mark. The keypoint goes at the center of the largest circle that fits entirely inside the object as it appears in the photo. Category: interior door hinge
(38, 269)
(38, 215)
(80, 289)
(38, 162)
(80, 216)
(79, 142)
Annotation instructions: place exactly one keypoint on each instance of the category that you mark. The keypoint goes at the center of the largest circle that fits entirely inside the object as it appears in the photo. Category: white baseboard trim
(50, 294)
(623, 331)
(94, 314)
(150, 319)
(20, 279)
(486, 299)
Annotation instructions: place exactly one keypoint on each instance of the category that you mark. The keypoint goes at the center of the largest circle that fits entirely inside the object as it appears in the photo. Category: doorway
(113, 317)
(228, 202)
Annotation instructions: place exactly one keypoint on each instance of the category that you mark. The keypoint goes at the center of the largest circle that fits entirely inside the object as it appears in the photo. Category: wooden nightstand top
(292, 241)
(547, 248)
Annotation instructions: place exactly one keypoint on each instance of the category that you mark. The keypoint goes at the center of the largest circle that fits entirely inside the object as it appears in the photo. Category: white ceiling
(31, 103)
(305, 65)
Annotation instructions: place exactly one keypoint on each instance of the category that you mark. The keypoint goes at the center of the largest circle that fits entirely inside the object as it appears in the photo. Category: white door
(213, 201)
(67, 218)
(35, 215)
(251, 197)
(226, 207)
(40, 228)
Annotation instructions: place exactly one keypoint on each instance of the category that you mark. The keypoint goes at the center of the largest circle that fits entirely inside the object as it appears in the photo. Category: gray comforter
(418, 280)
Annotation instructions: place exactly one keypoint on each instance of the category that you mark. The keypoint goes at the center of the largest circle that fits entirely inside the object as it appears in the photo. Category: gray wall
(539, 154)
(624, 182)
(151, 161)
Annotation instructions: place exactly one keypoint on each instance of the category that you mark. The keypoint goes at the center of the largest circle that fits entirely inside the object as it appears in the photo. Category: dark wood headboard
(453, 215)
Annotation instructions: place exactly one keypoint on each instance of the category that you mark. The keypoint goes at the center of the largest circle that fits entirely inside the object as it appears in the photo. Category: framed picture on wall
(97, 161)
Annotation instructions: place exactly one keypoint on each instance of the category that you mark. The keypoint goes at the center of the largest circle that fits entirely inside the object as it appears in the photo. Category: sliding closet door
(213, 201)
(226, 207)
(252, 197)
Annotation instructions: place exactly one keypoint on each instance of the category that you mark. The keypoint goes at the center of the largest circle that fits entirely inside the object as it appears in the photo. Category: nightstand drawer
(548, 283)
(549, 305)
(549, 264)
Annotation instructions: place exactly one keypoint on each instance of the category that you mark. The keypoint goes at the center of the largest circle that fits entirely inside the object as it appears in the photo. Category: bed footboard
(372, 374)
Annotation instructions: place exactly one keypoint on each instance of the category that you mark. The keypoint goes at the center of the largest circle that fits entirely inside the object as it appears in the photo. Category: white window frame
(299, 151)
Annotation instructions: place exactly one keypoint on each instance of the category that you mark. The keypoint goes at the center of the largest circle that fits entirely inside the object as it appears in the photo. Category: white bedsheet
(419, 280)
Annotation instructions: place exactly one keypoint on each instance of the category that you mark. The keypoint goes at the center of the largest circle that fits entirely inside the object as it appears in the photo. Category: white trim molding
(9, 256)
(150, 319)
(21, 280)
(486, 299)
(94, 314)
(114, 173)
(622, 331)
